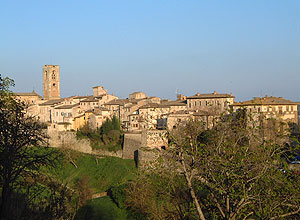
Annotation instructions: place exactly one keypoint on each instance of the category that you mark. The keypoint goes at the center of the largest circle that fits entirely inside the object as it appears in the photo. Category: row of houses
(140, 112)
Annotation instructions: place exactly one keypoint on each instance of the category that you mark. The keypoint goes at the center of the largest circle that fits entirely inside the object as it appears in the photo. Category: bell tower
(51, 82)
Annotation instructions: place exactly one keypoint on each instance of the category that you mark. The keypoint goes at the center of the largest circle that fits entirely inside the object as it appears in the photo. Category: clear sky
(247, 47)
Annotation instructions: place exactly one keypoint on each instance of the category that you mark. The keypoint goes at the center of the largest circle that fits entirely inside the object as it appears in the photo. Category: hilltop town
(140, 113)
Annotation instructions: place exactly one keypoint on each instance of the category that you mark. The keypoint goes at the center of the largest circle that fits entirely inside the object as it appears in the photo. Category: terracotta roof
(174, 103)
(154, 105)
(117, 102)
(266, 101)
(52, 102)
(66, 106)
(81, 97)
(33, 93)
(90, 99)
(136, 93)
(210, 96)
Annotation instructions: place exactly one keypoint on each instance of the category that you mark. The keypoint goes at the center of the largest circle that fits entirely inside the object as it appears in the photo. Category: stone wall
(118, 153)
(132, 142)
(155, 139)
(69, 140)
(147, 157)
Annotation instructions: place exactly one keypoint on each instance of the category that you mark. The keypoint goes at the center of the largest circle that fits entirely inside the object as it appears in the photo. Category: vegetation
(102, 173)
(102, 209)
(108, 137)
(19, 161)
(232, 171)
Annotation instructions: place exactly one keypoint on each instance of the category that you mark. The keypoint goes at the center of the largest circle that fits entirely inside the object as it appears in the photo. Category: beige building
(89, 103)
(213, 102)
(51, 82)
(137, 95)
(150, 113)
(45, 109)
(29, 98)
(64, 113)
(270, 107)
(99, 91)
(98, 116)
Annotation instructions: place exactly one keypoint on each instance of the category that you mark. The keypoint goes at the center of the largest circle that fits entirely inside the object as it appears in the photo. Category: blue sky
(250, 48)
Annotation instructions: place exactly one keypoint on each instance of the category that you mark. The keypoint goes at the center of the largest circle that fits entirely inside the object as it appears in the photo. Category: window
(53, 74)
(54, 84)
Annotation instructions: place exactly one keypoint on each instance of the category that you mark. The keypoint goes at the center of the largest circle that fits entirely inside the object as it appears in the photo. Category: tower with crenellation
(51, 82)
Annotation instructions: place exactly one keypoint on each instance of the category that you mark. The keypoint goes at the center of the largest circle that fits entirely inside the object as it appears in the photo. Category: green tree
(239, 167)
(18, 158)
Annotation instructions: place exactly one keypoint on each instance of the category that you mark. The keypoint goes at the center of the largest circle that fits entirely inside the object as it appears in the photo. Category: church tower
(51, 82)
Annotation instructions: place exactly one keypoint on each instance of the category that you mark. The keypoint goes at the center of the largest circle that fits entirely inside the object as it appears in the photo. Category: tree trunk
(192, 192)
(5, 203)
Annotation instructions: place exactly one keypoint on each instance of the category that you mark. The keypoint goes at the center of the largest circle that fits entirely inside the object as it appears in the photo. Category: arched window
(53, 74)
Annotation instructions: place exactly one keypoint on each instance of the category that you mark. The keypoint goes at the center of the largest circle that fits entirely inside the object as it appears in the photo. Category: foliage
(239, 166)
(118, 195)
(28, 191)
(84, 189)
(19, 160)
(108, 137)
(102, 209)
(236, 170)
(159, 194)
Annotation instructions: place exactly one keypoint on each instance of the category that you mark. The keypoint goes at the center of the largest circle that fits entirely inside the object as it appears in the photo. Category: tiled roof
(174, 103)
(90, 99)
(154, 105)
(117, 102)
(33, 93)
(52, 102)
(66, 106)
(266, 101)
(210, 96)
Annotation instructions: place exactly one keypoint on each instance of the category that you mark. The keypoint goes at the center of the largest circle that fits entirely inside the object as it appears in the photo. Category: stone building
(51, 82)
(270, 107)
(99, 91)
(89, 103)
(213, 102)
(98, 116)
(81, 120)
(45, 109)
(29, 98)
(137, 95)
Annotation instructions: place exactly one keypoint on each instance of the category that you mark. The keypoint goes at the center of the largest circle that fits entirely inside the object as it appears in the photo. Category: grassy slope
(107, 172)
(101, 208)
(102, 174)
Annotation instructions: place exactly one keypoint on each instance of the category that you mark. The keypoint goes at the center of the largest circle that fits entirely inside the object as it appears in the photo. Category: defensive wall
(140, 146)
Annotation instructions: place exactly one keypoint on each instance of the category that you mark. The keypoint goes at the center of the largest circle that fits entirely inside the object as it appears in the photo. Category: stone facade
(51, 79)
(99, 91)
(213, 102)
(270, 107)
(137, 95)
(29, 98)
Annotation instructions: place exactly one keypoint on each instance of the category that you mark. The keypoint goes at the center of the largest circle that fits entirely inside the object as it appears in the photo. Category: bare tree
(238, 167)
